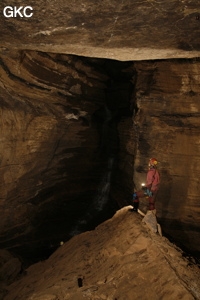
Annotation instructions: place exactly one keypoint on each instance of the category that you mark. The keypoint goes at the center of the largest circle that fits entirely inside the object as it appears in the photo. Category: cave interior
(77, 133)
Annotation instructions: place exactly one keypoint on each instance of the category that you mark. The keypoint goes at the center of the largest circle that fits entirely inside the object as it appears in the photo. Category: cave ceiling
(122, 30)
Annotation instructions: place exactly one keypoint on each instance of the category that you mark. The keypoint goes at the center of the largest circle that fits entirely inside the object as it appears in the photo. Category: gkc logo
(13, 12)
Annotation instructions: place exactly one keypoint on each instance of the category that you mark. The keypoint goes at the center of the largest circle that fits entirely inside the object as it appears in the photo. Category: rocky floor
(121, 259)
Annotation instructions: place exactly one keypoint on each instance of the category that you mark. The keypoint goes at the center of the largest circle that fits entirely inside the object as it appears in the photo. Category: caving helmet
(153, 162)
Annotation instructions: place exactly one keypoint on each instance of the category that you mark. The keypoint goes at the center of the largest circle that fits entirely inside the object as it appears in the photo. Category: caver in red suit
(151, 187)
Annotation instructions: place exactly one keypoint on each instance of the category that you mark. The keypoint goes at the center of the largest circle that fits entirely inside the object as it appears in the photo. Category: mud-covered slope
(120, 259)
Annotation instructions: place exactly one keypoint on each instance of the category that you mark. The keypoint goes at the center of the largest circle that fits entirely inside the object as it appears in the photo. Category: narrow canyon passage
(76, 136)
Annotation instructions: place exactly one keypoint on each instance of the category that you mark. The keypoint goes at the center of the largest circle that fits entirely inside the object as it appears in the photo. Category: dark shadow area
(182, 235)
(67, 208)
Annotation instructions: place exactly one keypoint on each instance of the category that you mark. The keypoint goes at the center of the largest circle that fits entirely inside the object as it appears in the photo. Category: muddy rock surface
(121, 259)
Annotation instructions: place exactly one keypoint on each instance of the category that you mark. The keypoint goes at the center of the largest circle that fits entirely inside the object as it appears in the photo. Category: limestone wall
(48, 146)
(167, 127)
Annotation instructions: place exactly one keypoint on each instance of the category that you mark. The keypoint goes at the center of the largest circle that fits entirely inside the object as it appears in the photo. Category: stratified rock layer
(126, 30)
(52, 110)
(49, 143)
(120, 259)
(167, 126)
(59, 117)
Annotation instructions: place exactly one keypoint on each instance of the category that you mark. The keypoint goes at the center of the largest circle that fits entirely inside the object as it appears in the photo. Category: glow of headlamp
(142, 184)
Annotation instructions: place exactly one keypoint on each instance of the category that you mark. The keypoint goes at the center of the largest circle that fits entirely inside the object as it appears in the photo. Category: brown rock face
(167, 127)
(59, 140)
(43, 137)
(121, 259)
(75, 131)
(126, 30)
(10, 268)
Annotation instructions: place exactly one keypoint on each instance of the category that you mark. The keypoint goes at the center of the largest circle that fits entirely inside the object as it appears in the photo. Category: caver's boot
(135, 202)
(135, 206)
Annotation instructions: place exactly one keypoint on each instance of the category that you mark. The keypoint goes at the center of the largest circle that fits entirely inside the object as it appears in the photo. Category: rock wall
(52, 104)
(167, 126)
(66, 126)
(49, 144)
(58, 127)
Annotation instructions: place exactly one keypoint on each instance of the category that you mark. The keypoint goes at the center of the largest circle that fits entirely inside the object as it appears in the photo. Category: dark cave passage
(79, 147)
(99, 205)
(118, 97)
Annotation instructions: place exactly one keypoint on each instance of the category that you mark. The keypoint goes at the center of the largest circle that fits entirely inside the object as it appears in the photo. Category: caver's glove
(147, 191)
(135, 196)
